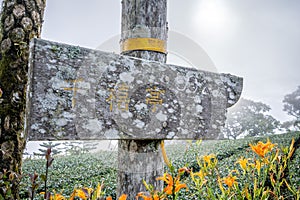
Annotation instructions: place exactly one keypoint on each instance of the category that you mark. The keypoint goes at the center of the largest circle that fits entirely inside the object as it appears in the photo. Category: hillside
(69, 172)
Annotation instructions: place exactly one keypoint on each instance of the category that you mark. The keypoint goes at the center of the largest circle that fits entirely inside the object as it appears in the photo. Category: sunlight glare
(213, 17)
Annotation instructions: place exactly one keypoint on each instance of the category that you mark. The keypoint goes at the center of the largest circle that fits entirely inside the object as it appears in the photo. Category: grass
(69, 172)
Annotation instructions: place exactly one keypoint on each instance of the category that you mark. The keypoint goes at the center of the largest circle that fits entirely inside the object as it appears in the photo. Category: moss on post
(141, 19)
(20, 22)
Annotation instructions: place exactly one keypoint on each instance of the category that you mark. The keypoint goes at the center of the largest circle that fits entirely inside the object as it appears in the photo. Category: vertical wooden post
(140, 160)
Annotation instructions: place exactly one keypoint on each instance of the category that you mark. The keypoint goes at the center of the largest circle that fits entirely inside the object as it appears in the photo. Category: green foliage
(76, 171)
(7, 179)
(228, 152)
(69, 172)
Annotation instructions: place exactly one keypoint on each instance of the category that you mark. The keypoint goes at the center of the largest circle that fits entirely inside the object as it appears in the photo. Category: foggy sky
(258, 40)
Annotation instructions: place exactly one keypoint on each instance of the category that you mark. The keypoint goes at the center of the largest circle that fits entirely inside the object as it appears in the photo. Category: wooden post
(140, 160)
(78, 93)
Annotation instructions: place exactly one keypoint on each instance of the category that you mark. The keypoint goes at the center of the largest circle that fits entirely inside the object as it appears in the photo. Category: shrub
(199, 170)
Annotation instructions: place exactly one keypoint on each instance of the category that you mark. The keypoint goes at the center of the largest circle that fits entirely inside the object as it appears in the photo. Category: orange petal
(180, 186)
(123, 197)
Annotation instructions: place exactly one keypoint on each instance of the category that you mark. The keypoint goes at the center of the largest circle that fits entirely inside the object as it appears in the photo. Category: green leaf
(8, 193)
(43, 177)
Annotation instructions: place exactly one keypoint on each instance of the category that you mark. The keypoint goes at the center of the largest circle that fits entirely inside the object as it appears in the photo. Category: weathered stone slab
(78, 93)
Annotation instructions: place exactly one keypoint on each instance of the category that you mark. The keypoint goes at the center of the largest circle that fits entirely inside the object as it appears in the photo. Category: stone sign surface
(78, 93)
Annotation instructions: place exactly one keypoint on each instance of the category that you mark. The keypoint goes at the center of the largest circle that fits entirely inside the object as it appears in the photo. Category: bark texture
(145, 19)
(21, 20)
(140, 160)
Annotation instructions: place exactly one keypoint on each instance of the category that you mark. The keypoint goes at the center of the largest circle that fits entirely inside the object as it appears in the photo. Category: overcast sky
(258, 40)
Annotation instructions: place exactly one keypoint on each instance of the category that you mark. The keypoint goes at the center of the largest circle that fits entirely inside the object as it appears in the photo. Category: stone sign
(78, 93)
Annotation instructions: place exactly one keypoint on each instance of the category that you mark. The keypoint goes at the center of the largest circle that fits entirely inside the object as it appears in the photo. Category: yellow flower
(230, 180)
(201, 174)
(59, 197)
(79, 193)
(98, 191)
(243, 163)
(208, 159)
(201, 181)
(261, 148)
(258, 166)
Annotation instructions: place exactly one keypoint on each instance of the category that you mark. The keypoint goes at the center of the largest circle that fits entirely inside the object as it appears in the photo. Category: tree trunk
(21, 20)
(140, 160)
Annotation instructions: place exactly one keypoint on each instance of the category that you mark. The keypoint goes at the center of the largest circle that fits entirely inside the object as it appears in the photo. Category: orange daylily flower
(109, 198)
(261, 148)
(56, 196)
(230, 180)
(169, 180)
(179, 186)
(141, 194)
(154, 197)
(123, 197)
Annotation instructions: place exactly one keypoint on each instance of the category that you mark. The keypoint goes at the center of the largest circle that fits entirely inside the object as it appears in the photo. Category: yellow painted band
(147, 44)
